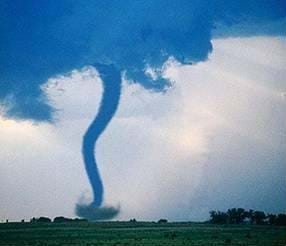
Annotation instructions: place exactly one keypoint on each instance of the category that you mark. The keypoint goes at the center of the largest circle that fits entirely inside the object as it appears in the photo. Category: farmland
(139, 233)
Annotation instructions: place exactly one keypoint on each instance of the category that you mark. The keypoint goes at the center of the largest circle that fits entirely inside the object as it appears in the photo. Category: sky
(201, 120)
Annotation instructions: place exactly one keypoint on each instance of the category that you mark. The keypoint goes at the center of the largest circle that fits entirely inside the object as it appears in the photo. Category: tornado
(111, 80)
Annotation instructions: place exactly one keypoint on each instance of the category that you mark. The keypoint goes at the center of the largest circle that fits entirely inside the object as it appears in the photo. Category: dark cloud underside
(40, 39)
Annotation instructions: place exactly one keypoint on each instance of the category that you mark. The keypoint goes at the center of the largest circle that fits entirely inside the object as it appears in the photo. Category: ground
(139, 233)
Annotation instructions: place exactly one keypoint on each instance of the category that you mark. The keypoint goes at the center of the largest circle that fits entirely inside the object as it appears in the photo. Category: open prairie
(139, 233)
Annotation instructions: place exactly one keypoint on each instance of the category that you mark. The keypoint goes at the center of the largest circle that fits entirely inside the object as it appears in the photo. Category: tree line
(242, 216)
(58, 219)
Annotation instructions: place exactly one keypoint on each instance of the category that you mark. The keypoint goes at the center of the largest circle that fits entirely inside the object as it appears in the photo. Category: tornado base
(93, 213)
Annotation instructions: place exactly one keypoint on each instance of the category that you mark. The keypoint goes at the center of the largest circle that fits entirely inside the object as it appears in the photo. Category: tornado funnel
(111, 80)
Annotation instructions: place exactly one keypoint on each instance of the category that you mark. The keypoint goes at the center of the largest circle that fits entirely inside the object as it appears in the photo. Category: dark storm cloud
(40, 39)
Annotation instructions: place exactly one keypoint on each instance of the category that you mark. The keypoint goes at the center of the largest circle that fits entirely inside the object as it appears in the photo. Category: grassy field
(139, 233)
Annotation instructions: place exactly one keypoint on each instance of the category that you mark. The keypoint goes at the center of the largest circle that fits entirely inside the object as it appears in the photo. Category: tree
(80, 220)
(236, 215)
(259, 217)
(61, 219)
(249, 215)
(272, 219)
(218, 217)
(33, 220)
(281, 219)
(43, 220)
(161, 221)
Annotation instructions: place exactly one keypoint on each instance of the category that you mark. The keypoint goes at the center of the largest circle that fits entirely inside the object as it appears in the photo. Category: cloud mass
(44, 39)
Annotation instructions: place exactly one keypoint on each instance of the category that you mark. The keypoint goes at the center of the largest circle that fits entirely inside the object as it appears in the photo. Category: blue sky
(229, 103)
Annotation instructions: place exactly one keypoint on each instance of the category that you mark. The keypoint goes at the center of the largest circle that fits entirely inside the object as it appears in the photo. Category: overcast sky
(215, 140)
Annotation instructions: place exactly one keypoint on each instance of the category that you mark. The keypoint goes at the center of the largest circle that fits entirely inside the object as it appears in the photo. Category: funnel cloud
(111, 80)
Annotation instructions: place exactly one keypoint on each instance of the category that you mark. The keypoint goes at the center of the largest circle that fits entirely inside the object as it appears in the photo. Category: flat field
(139, 233)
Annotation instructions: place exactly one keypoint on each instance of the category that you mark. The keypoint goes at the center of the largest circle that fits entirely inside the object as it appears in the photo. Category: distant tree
(231, 213)
(218, 217)
(250, 216)
(33, 220)
(281, 220)
(161, 221)
(236, 215)
(133, 220)
(239, 215)
(271, 219)
(61, 219)
(41, 219)
(259, 217)
(80, 220)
